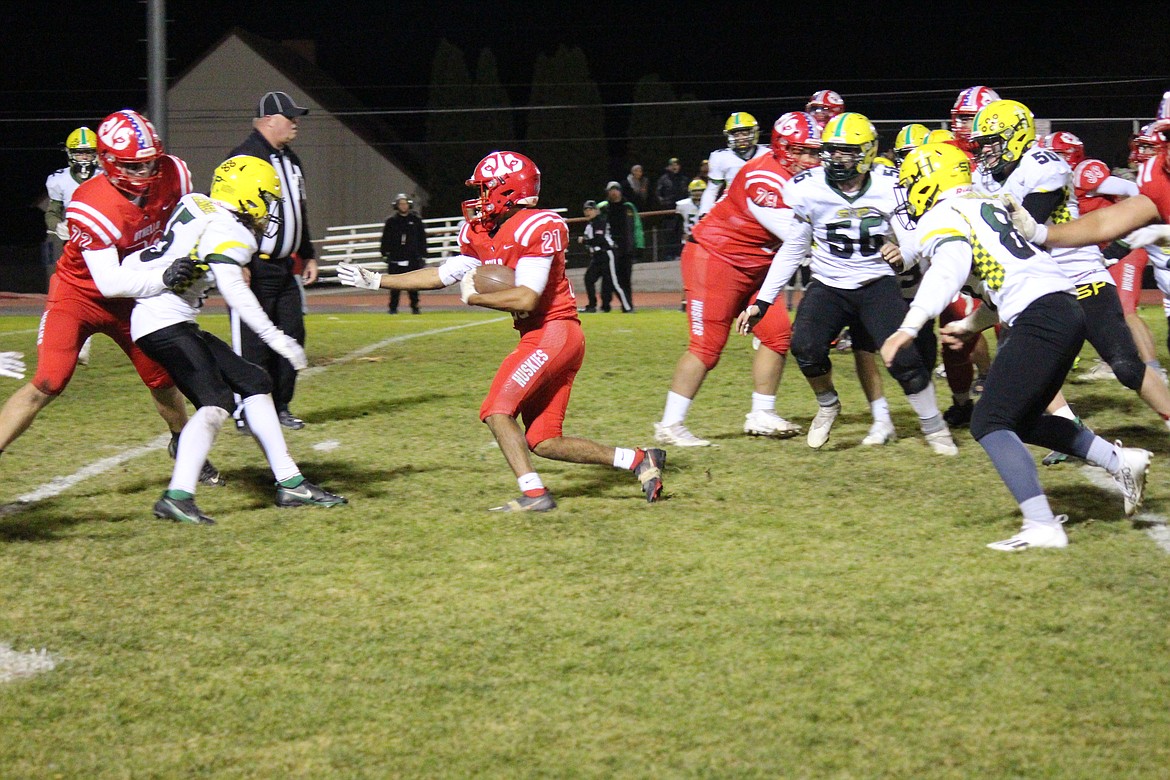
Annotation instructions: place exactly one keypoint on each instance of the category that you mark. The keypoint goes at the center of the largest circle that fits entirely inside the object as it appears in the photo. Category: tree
(495, 129)
(445, 155)
(664, 126)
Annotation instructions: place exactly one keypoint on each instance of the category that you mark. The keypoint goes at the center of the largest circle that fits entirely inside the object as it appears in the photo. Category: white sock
(1066, 412)
(529, 481)
(623, 458)
(880, 410)
(924, 402)
(194, 444)
(763, 403)
(1036, 511)
(676, 409)
(265, 425)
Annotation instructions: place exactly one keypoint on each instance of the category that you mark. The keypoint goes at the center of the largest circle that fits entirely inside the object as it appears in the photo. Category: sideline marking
(58, 485)
(15, 665)
(1155, 525)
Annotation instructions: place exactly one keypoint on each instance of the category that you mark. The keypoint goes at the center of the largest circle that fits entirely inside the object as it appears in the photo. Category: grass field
(784, 613)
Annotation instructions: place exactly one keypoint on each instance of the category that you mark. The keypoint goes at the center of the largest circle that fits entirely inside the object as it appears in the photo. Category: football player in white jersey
(843, 212)
(1009, 164)
(743, 136)
(965, 235)
(81, 150)
(211, 239)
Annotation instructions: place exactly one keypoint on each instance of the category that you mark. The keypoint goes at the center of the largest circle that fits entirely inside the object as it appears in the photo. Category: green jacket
(635, 222)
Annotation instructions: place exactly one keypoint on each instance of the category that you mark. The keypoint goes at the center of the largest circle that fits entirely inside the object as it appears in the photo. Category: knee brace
(909, 372)
(812, 359)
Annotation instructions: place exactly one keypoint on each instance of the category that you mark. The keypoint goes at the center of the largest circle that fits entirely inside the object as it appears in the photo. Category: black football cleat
(180, 510)
(649, 473)
(307, 494)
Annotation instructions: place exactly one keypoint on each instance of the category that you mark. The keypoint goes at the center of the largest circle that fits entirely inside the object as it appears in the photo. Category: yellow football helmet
(849, 144)
(696, 186)
(939, 136)
(1001, 134)
(742, 131)
(250, 187)
(909, 138)
(926, 173)
(81, 149)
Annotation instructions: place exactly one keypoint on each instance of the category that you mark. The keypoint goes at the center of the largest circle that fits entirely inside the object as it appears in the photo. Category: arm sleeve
(786, 261)
(1041, 204)
(778, 222)
(129, 279)
(950, 265)
(1115, 185)
(54, 214)
(532, 272)
(455, 268)
(229, 278)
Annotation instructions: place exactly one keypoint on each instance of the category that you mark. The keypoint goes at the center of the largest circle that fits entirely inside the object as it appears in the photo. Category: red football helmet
(1067, 146)
(967, 105)
(1144, 144)
(504, 179)
(794, 135)
(129, 150)
(824, 105)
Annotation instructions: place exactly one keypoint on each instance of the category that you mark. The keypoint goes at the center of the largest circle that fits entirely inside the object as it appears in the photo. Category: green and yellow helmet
(1001, 134)
(910, 137)
(742, 131)
(927, 172)
(849, 144)
(696, 185)
(250, 187)
(81, 149)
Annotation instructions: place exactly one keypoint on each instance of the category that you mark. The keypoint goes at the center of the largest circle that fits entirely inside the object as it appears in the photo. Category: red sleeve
(1154, 183)
(1089, 174)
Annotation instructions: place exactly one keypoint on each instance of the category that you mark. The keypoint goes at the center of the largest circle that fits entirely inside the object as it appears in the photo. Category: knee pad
(213, 417)
(908, 371)
(1130, 373)
(813, 362)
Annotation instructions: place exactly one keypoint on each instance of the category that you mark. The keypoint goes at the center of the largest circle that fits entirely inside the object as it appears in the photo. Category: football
(493, 278)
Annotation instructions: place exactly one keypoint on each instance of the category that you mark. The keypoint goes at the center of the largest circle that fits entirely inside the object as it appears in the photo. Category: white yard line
(1155, 525)
(59, 485)
(18, 332)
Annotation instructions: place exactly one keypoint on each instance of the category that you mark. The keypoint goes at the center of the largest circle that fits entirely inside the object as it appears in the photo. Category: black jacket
(404, 239)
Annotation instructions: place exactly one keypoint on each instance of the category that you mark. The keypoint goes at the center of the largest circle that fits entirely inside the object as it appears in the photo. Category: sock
(265, 425)
(1038, 512)
(1014, 464)
(676, 410)
(530, 484)
(1102, 453)
(880, 409)
(1066, 412)
(194, 444)
(925, 405)
(178, 495)
(961, 399)
(292, 482)
(828, 398)
(626, 458)
(763, 403)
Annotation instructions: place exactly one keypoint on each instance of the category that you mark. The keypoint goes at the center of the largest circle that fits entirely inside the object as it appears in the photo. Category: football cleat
(959, 415)
(676, 434)
(288, 420)
(86, 351)
(766, 422)
(822, 423)
(1053, 458)
(881, 432)
(1131, 476)
(942, 442)
(1033, 535)
(649, 473)
(1100, 371)
(180, 510)
(306, 494)
(542, 503)
(209, 475)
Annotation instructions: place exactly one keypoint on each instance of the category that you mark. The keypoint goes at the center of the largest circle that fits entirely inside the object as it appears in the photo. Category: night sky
(73, 63)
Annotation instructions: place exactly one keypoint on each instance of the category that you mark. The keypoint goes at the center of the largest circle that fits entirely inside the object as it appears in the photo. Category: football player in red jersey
(963, 112)
(503, 226)
(723, 263)
(824, 105)
(109, 217)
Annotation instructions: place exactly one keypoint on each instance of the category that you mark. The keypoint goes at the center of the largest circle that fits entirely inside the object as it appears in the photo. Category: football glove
(12, 365)
(1024, 222)
(467, 285)
(1150, 234)
(355, 276)
(62, 230)
(179, 276)
(288, 348)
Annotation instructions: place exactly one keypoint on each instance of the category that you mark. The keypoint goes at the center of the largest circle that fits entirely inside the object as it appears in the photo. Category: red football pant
(70, 318)
(535, 380)
(1127, 272)
(960, 371)
(716, 292)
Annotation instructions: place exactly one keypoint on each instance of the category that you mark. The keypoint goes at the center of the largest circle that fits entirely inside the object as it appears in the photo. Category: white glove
(355, 276)
(288, 348)
(467, 285)
(11, 365)
(62, 230)
(1150, 234)
(1024, 222)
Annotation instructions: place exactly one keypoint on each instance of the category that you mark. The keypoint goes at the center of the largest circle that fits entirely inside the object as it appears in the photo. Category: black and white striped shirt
(291, 233)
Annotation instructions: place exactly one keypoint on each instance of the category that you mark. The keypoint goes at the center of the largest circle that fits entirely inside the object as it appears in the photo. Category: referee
(277, 275)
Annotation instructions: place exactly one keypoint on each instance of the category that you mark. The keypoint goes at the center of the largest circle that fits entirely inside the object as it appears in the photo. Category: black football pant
(283, 301)
(205, 369)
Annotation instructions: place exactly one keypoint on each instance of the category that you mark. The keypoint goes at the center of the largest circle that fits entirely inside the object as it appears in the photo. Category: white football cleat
(1100, 371)
(1050, 536)
(767, 423)
(822, 423)
(83, 355)
(1131, 477)
(677, 434)
(942, 442)
(881, 432)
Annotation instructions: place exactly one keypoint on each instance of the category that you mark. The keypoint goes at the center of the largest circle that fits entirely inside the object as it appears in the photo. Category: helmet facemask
(846, 161)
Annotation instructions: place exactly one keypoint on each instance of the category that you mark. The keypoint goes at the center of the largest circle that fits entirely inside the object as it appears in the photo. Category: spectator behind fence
(404, 247)
(276, 281)
(671, 187)
(625, 226)
(637, 188)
